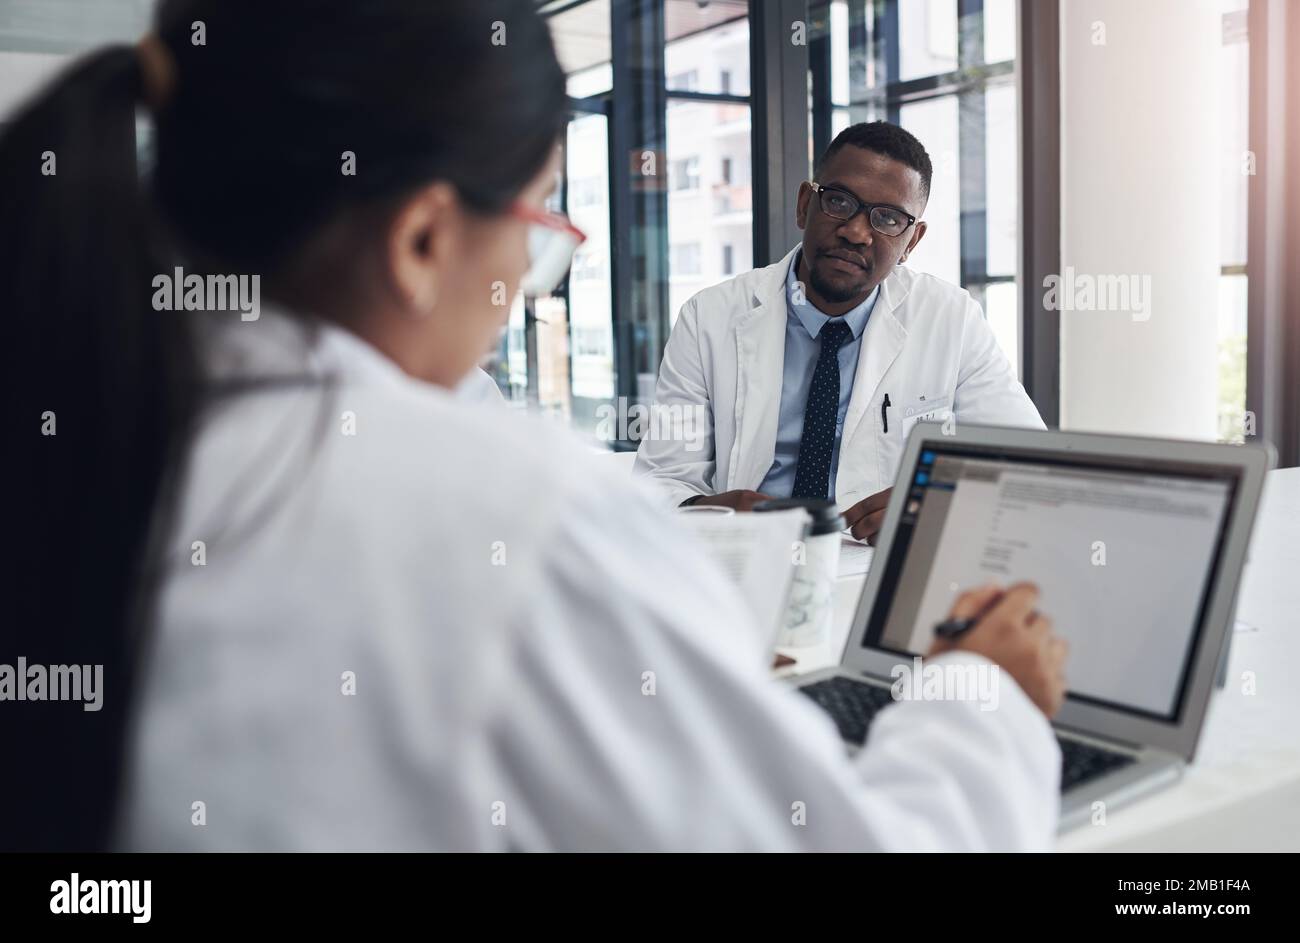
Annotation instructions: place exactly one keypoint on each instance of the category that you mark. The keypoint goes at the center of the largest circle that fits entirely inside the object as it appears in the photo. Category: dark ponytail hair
(102, 392)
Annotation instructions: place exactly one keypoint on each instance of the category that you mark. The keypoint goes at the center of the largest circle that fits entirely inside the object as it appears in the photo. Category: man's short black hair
(887, 139)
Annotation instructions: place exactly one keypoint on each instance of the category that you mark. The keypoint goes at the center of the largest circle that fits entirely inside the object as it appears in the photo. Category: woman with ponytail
(271, 586)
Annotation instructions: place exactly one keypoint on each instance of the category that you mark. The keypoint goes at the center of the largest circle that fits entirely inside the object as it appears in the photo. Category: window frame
(639, 250)
(1035, 75)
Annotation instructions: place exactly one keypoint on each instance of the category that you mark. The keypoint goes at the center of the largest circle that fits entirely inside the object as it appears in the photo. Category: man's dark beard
(829, 292)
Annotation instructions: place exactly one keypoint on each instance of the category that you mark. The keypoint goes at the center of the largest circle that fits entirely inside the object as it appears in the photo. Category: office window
(684, 174)
(684, 259)
(590, 341)
(688, 81)
(557, 354)
(946, 71)
(587, 191)
(650, 167)
(591, 368)
(589, 266)
(673, 177)
(536, 369)
(709, 44)
(710, 226)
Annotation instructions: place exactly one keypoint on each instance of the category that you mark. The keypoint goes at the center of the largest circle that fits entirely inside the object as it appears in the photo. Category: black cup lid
(826, 518)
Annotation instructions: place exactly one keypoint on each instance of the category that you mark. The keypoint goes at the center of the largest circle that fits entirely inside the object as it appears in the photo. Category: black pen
(952, 628)
(884, 415)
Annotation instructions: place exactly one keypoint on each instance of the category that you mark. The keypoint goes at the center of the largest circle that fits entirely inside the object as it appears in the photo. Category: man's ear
(419, 240)
(917, 236)
(801, 204)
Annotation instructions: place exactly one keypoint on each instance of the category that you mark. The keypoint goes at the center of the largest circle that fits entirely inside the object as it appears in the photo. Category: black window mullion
(533, 394)
(564, 288)
(638, 206)
(890, 49)
(819, 65)
(725, 98)
(936, 86)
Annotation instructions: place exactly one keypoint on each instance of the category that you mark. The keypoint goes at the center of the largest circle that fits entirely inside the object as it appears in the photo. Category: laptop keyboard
(1081, 762)
(853, 705)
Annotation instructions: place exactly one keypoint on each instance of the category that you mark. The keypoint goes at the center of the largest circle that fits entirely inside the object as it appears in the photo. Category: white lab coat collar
(760, 356)
(283, 345)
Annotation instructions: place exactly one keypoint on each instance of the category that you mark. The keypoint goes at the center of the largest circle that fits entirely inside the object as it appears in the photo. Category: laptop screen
(1122, 552)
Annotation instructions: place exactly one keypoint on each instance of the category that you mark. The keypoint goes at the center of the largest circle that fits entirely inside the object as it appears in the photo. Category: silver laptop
(1136, 545)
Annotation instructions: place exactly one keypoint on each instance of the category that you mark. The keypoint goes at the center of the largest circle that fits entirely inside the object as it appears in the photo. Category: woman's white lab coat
(926, 347)
(419, 624)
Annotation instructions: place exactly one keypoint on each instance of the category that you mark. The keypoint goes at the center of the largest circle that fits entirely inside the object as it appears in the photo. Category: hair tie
(157, 71)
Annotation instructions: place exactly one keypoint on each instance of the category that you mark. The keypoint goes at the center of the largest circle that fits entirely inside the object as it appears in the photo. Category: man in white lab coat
(812, 371)
(479, 387)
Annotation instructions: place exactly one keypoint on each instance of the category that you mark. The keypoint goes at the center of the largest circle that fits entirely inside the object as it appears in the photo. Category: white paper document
(855, 558)
(757, 551)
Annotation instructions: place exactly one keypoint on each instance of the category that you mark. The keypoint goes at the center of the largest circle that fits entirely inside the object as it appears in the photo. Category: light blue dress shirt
(802, 323)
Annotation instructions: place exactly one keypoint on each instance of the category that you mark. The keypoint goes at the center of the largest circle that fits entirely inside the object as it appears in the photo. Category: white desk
(1242, 792)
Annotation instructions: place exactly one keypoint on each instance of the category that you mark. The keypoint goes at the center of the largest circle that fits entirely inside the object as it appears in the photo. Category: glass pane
(593, 81)
(591, 322)
(710, 205)
(930, 37)
(552, 334)
(513, 362)
(1002, 194)
(1235, 160)
(987, 205)
(1232, 357)
(553, 398)
(708, 46)
(839, 43)
(934, 123)
(927, 37)
(839, 121)
(999, 30)
(574, 357)
(1002, 309)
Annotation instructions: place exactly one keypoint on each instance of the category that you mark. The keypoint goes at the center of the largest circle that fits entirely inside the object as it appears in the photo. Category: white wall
(22, 74)
(1140, 197)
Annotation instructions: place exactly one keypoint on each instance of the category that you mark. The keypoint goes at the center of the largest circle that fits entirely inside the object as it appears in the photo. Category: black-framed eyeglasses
(841, 204)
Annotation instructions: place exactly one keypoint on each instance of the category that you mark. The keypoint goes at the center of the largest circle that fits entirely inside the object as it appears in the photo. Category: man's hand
(865, 517)
(1012, 633)
(736, 500)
